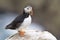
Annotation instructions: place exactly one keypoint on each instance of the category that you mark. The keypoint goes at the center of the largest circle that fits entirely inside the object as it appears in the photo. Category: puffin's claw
(21, 33)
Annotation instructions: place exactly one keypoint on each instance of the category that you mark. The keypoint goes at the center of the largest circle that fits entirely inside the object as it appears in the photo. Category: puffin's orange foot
(21, 33)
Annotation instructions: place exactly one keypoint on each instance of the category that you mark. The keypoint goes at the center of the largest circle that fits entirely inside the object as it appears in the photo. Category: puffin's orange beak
(31, 12)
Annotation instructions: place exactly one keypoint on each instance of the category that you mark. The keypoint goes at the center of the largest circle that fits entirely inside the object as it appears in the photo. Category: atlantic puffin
(22, 21)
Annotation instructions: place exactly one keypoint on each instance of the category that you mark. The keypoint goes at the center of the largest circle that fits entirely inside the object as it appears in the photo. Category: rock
(33, 35)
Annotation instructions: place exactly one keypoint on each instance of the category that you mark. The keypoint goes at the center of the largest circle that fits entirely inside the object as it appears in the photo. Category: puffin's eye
(28, 8)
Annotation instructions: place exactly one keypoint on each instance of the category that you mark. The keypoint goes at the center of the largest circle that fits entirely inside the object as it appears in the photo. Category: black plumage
(17, 22)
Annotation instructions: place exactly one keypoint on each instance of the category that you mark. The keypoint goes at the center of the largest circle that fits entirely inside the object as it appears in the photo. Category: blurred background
(46, 14)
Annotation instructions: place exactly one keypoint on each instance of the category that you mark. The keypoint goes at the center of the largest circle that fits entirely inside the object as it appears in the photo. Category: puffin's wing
(15, 23)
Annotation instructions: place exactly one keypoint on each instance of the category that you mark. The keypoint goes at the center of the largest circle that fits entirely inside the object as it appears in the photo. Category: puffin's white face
(28, 9)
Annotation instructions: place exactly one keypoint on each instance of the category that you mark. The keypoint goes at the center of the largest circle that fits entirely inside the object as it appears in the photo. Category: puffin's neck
(25, 15)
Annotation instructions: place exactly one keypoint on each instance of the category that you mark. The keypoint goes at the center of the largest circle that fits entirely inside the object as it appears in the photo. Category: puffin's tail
(9, 27)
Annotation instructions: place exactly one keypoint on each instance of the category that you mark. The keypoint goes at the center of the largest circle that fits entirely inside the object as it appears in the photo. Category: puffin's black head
(28, 10)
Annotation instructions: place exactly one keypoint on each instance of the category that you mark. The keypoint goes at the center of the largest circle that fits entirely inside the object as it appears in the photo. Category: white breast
(26, 23)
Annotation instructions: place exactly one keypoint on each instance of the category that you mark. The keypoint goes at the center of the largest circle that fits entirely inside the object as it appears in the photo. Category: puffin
(22, 21)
